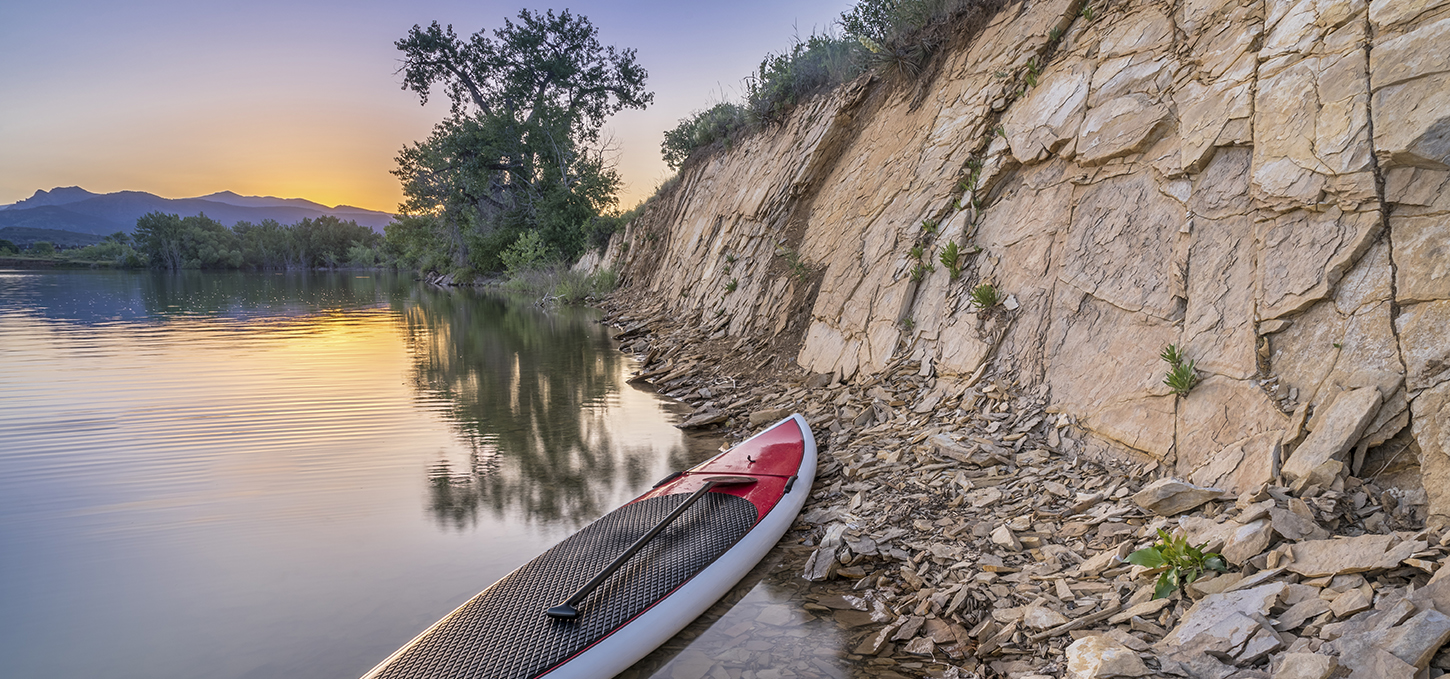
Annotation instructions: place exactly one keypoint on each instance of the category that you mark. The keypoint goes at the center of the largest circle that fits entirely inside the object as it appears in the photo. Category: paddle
(566, 610)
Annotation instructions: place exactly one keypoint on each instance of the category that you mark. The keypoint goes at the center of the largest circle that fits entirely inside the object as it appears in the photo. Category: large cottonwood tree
(521, 149)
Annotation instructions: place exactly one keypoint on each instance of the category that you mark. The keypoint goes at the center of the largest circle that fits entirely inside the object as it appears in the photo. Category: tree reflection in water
(527, 391)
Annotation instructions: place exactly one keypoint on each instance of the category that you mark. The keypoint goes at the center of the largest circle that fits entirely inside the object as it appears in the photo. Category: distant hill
(238, 200)
(56, 196)
(75, 209)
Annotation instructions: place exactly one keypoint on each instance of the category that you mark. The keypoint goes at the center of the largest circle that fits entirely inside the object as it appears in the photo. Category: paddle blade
(562, 612)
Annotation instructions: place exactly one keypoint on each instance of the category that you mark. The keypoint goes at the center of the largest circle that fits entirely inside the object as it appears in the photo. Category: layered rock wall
(1263, 184)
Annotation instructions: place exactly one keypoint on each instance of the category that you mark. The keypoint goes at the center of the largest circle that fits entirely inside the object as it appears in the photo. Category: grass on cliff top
(889, 36)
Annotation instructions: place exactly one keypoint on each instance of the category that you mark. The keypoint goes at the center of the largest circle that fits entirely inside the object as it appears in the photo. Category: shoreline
(975, 540)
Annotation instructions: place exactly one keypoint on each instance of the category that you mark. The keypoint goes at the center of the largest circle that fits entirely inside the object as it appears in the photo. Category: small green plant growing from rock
(1181, 379)
(929, 226)
(951, 258)
(1182, 562)
(920, 271)
(1181, 374)
(1054, 34)
(1000, 131)
(985, 296)
(916, 252)
(974, 175)
(907, 324)
(729, 258)
(734, 283)
(1033, 70)
(799, 269)
(1088, 12)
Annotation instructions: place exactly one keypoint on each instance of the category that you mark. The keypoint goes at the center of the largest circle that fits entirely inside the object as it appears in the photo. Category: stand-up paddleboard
(608, 595)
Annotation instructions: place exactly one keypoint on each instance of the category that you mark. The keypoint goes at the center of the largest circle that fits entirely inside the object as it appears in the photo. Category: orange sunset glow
(302, 100)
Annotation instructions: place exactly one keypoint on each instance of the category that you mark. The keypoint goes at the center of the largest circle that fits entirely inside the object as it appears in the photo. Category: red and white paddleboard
(606, 596)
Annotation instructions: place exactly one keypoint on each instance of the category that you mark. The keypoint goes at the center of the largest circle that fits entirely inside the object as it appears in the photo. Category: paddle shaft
(566, 609)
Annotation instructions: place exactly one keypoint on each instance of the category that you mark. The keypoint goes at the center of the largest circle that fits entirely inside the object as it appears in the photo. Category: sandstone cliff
(1261, 183)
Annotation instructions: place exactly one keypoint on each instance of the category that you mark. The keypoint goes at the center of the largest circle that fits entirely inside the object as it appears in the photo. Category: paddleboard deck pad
(503, 632)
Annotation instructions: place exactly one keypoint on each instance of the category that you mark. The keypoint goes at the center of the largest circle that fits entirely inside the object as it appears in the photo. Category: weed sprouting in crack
(1181, 376)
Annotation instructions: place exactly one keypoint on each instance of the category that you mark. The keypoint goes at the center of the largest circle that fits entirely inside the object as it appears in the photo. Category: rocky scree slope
(964, 537)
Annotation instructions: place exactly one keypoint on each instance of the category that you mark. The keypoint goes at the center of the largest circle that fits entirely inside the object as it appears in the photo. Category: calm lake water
(254, 475)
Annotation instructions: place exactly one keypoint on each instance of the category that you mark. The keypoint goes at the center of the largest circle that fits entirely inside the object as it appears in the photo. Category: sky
(301, 99)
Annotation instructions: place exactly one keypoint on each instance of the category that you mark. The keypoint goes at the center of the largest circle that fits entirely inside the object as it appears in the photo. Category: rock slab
(1100, 656)
(1335, 432)
(1167, 497)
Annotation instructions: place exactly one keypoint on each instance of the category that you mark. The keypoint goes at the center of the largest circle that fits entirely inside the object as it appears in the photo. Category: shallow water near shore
(259, 475)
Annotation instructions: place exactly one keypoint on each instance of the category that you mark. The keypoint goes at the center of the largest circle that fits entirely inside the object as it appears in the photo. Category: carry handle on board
(567, 611)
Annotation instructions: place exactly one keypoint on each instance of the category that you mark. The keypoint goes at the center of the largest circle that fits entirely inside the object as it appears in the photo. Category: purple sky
(299, 99)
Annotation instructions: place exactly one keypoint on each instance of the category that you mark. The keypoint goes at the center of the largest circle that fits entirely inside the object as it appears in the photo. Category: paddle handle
(567, 611)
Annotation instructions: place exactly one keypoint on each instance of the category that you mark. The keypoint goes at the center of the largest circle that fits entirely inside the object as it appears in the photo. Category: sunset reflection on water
(234, 475)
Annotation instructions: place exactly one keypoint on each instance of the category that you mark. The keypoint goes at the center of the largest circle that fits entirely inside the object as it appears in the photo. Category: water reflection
(233, 475)
(105, 297)
(533, 395)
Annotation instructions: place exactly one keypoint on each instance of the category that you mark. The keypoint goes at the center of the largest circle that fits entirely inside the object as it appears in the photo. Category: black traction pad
(503, 633)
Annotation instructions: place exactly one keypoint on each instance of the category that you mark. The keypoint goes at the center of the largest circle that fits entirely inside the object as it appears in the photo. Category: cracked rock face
(1265, 185)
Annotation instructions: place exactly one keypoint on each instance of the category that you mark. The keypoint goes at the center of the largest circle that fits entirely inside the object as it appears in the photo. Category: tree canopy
(521, 149)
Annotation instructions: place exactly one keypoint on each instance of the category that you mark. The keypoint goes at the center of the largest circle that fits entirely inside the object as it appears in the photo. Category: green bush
(112, 251)
(903, 34)
(898, 35)
(526, 252)
(42, 249)
(781, 82)
(785, 80)
(702, 129)
(485, 248)
(363, 256)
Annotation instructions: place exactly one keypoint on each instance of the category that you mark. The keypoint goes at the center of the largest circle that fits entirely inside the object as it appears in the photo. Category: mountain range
(75, 209)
